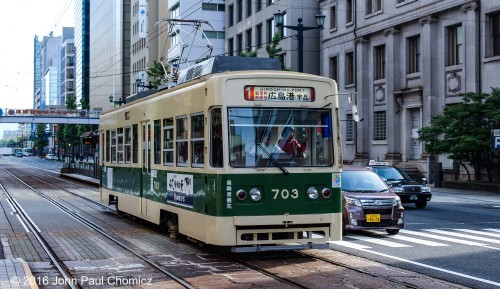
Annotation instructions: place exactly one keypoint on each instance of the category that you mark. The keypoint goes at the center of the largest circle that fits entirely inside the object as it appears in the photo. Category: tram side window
(157, 142)
(113, 146)
(181, 141)
(119, 137)
(197, 140)
(168, 141)
(108, 146)
(216, 144)
(127, 144)
(135, 144)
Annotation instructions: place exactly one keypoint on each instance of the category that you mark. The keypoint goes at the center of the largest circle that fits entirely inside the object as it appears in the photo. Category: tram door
(146, 164)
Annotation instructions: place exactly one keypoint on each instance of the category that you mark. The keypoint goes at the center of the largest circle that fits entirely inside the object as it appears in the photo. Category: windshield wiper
(273, 161)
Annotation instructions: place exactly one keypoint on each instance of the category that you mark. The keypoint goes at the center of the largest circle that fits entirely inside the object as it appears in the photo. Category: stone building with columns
(405, 60)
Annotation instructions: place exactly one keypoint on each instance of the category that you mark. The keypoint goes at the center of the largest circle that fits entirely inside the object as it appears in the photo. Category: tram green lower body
(208, 209)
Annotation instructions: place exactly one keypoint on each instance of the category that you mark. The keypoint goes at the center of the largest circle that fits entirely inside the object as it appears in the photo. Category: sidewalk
(15, 273)
(82, 178)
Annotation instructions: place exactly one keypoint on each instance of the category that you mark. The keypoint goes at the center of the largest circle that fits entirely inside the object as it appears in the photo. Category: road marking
(479, 232)
(348, 244)
(463, 236)
(378, 241)
(412, 240)
(443, 238)
(434, 268)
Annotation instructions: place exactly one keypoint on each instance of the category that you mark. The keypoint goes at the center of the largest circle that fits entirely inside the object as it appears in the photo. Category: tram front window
(267, 137)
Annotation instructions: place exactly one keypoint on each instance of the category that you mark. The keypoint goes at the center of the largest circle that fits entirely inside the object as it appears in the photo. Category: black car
(409, 190)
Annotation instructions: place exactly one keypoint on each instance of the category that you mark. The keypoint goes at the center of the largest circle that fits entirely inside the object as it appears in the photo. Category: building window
(414, 54)
(349, 11)
(239, 11)
(214, 34)
(230, 15)
(333, 17)
(249, 8)
(380, 62)
(270, 30)
(334, 68)
(269, 2)
(213, 7)
(258, 5)
(495, 34)
(373, 6)
(259, 35)
(349, 68)
(230, 46)
(349, 134)
(455, 45)
(380, 125)
(249, 39)
(239, 43)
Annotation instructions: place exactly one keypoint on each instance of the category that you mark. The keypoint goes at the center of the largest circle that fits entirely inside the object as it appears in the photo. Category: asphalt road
(455, 238)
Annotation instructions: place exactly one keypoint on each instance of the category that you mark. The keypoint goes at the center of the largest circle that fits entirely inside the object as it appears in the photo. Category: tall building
(82, 49)
(110, 51)
(405, 60)
(67, 67)
(250, 26)
(46, 59)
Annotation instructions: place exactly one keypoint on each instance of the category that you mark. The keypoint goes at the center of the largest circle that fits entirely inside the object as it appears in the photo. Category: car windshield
(362, 181)
(263, 137)
(391, 173)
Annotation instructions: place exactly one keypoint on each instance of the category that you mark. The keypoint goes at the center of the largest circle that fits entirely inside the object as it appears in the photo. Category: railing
(89, 169)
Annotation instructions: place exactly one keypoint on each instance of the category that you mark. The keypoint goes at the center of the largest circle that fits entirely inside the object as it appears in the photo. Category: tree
(70, 131)
(158, 73)
(274, 51)
(463, 131)
(41, 140)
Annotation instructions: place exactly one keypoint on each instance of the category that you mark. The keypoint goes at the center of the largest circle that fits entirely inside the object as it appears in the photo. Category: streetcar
(203, 159)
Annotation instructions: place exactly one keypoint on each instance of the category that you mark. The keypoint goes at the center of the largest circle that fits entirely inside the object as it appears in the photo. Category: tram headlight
(326, 193)
(255, 194)
(312, 193)
(241, 194)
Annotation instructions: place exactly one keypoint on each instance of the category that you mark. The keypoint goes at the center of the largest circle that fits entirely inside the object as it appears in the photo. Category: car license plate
(413, 198)
(372, 218)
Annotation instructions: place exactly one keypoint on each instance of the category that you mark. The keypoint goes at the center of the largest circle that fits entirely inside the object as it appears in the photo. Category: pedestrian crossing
(366, 239)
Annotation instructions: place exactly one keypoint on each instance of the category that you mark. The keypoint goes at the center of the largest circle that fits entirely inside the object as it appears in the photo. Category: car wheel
(392, 231)
(421, 204)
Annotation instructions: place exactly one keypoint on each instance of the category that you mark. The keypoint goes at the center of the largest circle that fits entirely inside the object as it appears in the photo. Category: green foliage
(273, 50)
(463, 130)
(157, 72)
(41, 139)
(248, 54)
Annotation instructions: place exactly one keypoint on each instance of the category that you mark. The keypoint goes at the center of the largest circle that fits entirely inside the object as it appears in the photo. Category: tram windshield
(281, 137)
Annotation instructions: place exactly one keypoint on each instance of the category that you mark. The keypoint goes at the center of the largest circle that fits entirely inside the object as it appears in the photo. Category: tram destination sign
(279, 93)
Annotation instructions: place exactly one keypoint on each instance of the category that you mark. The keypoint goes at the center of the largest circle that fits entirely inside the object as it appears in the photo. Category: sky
(19, 27)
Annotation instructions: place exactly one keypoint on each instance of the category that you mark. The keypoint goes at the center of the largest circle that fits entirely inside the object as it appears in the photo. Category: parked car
(409, 190)
(50, 157)
(19, 154)
(368, 202)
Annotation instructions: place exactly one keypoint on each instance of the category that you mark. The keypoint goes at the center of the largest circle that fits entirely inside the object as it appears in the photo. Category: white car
(50, 157)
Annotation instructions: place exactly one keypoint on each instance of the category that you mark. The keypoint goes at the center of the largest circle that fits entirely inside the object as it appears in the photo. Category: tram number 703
(285, 194)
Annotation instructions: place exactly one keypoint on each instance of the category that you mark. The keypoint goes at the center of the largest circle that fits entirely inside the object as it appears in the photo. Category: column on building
(471, 51)
(365, 104)
(392, 49)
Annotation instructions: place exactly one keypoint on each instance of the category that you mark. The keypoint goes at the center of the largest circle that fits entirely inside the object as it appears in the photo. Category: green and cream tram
(206, 158)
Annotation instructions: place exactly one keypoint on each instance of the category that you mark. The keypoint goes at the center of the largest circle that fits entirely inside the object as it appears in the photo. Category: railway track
(208, 267)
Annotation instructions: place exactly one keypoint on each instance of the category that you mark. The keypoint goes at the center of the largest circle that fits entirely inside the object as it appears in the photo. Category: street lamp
(119, 102)
(300, 28)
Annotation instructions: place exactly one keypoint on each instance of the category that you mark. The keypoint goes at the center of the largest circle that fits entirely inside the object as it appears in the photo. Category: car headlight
(426, 189)
(352, 201)
(396, 202)
(398, 189)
